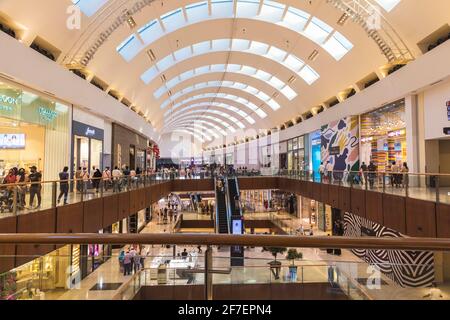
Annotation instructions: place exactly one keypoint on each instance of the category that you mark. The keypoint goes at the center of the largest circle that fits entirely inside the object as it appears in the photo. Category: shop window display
(296, 154)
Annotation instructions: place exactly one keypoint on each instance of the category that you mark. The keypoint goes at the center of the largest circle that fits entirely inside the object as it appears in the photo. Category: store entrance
(132, 157)
(87, 153)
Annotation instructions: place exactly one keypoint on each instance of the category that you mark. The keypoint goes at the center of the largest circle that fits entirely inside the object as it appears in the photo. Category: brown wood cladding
(443, 220)
(374, 206)
(421, 218)
(358, 202)
(263, 291)
(93, 215)
(110, 210)
(7, 251)
(344, 199)
(69, 218)
(38, 222)
(333, 196)
(124, 205)
(394, 215)
(324, 193)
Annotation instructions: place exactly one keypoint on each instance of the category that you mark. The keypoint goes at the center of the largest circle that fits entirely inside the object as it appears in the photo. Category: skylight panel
(273, 104)
(248, 70)
(337, 46)
(262, 75)
(277, 83)
(271, 11)
(261, 113)
(288, 92)
(252, 90)
(158, 93)
(240, 44)
(309, 75)
(295, 19)
(239, 85)
(217, 68)
(234, 67)
(247, 8)
(183, 53)
(202, 70)
(202, 47)
(388, 5)
(197, 12)
(261, 95)
(130, 48)
(317, 30)
(221, 45)
(294, 63)
(276, 54)
(186, 75)
(151, 32)
(222, 9)
(258, 48)
(165, 63)
(250, 120)
(173, 20)
(149, 75)
(89, 7)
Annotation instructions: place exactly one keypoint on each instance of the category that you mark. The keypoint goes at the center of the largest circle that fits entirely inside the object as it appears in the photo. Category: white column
(412, 133)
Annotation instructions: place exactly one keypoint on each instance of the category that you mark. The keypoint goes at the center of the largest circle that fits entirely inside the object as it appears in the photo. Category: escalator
(222, 221)
(236, 218)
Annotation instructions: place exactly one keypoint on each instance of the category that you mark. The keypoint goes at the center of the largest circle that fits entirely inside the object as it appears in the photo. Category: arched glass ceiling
(201, 124)
(199, 132)
(89, 7)
(219, 113)
(228, 84)
(290, 61)
(197, 125)
(226, 106)
(231, 68)
(220, 95)
(221, 122)
(195, 135)
(263, 10)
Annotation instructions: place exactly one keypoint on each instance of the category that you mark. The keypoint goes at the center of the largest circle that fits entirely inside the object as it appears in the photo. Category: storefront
(383, 136)
(315, 157)
(87, 144)
(296, 154)
(142, 220)
(57, 271)
(308, 211)
(129, 148)
(34, 131)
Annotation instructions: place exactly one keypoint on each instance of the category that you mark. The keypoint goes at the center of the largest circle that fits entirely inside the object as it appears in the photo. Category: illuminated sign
(90, 132)
(47, 114)
(8, 100)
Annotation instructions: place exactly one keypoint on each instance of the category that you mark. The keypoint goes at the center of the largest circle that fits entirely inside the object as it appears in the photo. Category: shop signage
(447, 131)
(81, 129)
(334, 151)
(8, 100)
(89, 132)
(47, 114)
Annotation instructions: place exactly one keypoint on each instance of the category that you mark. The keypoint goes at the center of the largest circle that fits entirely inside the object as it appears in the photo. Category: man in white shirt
(116, 174)
(329, 169)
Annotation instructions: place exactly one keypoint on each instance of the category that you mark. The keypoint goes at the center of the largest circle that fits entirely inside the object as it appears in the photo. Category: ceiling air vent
(313, 55)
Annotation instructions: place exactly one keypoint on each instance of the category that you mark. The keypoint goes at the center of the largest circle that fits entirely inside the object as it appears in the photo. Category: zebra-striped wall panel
(406, 268)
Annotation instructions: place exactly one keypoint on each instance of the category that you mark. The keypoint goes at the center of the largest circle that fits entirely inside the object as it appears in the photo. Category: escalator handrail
(227, 202)
(216, 222)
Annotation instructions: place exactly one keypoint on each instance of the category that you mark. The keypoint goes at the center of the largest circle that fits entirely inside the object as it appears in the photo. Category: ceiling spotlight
(292, 79)
(130, 21)
(313, 55)
(343, 19)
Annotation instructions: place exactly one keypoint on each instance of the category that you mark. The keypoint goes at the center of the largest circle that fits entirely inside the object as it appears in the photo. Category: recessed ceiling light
(343, 19)
(130, 21)
(151, 55)
(313, 55)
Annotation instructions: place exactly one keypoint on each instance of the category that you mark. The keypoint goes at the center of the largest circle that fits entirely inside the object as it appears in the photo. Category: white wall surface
(436, 119)
(88, 118)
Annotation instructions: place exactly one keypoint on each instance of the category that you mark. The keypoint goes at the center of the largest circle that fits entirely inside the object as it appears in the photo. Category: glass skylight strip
(89, 7)
(218, 124)
(216, 112)
(271, 12)
(221, 122)
(231, 68)
(196, 124)
(203, 123)
(217, 84)
(337, 46)
(388, 5)
(191, 133)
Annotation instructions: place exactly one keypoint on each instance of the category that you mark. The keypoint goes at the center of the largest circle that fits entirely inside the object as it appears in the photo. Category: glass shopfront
(34, 131)
(383, 136)
(87, 146)
(315, 153)
(296, 154)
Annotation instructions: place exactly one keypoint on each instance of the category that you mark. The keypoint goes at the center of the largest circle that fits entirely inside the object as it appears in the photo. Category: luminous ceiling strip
(269, 79)
(222, 122)
(271, 12)
(275, 54)
(388, 5)
(196, 124)
(191, 133)
(89, 7)
(209, 122)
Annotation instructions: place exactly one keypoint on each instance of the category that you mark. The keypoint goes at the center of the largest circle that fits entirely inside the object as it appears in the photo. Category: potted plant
(275, 266)
(293, 255)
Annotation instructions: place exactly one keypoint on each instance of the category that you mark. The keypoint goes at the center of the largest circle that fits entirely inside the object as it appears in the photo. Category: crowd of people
(27, 182)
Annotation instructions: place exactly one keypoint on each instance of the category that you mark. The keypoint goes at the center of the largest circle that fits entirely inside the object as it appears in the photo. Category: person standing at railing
(372, 174)
(116, 175)
(78, 179)
(106, 178)
(363, 173)
(35, 178)
(127, 263)
(63, 184)
(405, 171)
(395, 174)
(21, 189)
(85, 179)
(329, 169)
(96, 179)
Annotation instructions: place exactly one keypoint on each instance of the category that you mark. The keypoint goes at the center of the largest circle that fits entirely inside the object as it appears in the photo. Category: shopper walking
(85, 179)
(127, 263)
(63, 184)
(372, 169)
(96, 179)
(35, 178)
(405, 171)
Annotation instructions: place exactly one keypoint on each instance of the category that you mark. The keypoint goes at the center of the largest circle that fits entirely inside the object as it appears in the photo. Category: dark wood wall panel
(148, 196)
(37, 222)
(344, 199)
(309, 189)
(124, 205)
(358, 202)
(317, 191)
(333, 196)
(205, 184)
(110, 210)
(69, 218)
(93, 216)
(324, 193)
(154, 192)
(374, 206)
(420, 218)
(7, 251)
(394, 215)
(443, 220)
(140, 203)
(133, 201)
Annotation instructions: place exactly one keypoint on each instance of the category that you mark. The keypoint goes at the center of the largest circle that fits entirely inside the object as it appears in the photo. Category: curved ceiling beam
(206, 105)
(223, 122)
(201, 124)
(198, 132)
(198, 126)
(260, 49)
(215, 113)
(195, 135)
(271, 12)
(226, 84)
(258, 74)
(229, 98)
